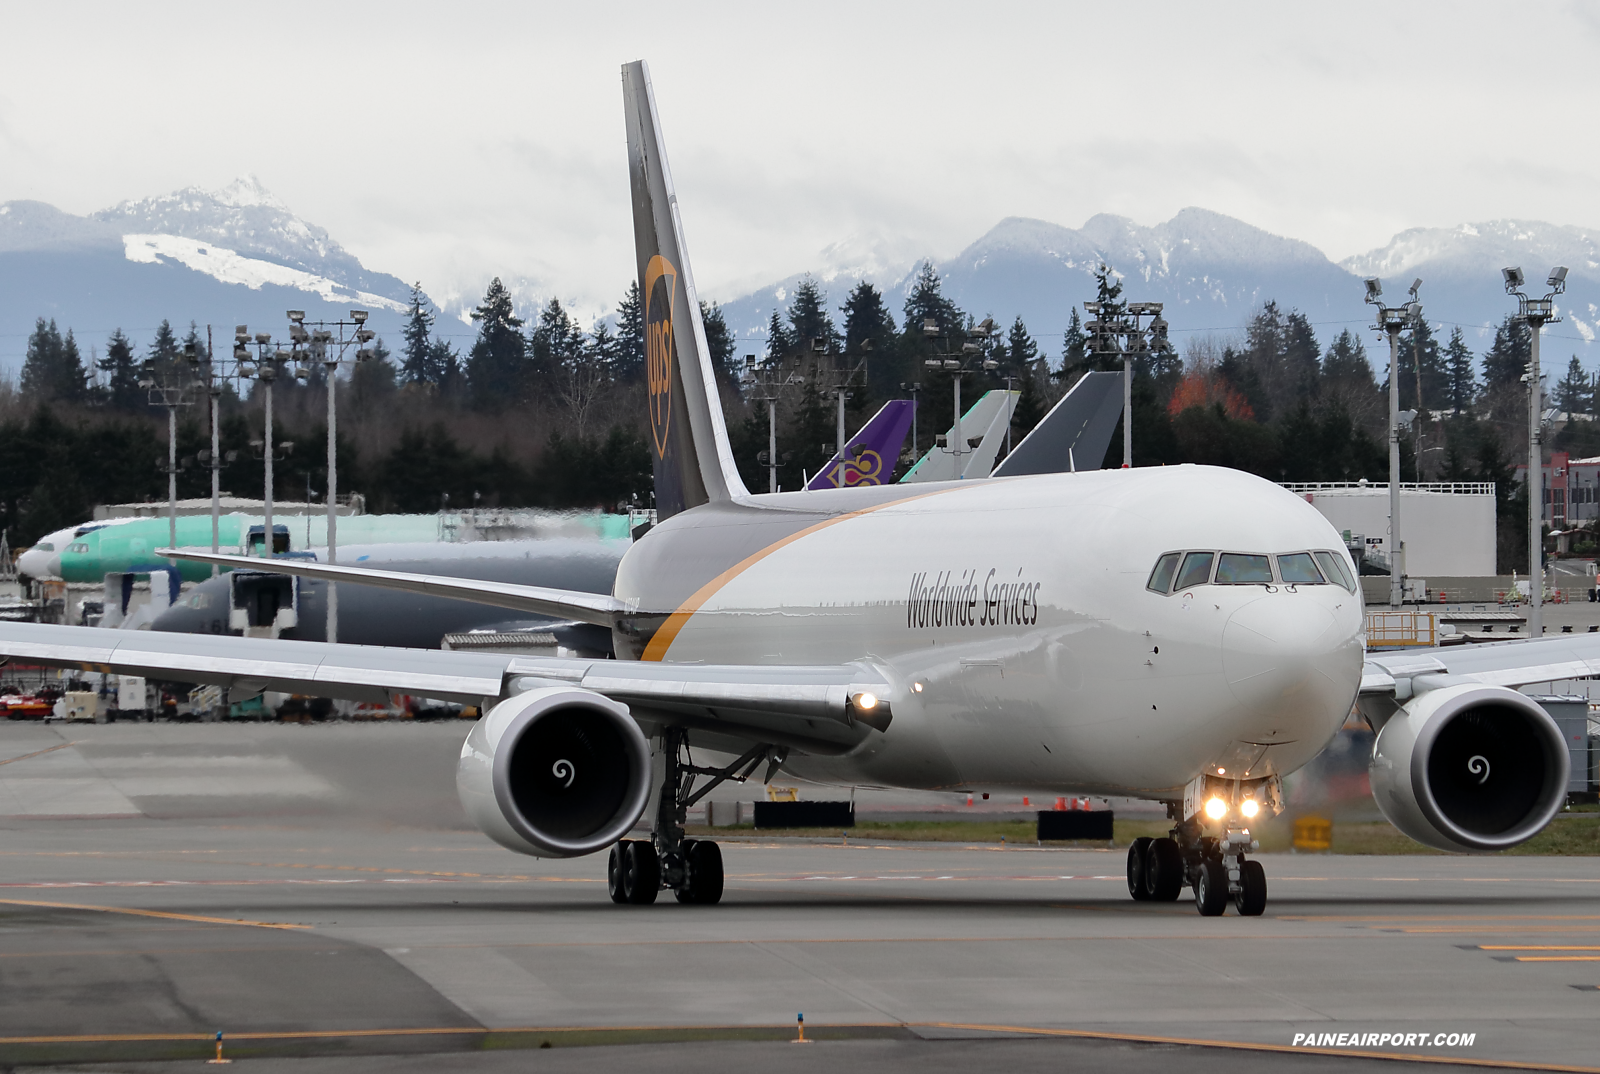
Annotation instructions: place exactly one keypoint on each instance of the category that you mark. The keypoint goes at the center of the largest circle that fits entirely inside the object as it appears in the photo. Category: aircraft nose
(36, 563)
(1283, 653)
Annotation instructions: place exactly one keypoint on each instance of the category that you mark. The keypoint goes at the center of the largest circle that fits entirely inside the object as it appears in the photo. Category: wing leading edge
(816, 708)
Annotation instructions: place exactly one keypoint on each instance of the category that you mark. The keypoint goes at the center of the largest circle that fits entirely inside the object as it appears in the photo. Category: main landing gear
(639, 869)
(1214, 867)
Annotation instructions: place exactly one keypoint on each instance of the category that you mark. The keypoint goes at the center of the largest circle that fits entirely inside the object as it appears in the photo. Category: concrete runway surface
(315, 893)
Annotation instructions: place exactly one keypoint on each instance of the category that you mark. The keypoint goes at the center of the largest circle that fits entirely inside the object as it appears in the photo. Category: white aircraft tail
(983, 432)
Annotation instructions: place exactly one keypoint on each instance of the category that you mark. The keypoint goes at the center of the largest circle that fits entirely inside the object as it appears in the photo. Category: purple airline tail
(872, 452)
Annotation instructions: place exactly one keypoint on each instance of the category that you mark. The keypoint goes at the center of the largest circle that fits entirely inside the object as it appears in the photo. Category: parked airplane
(249, 599)
(870, 455)
(970, 452)
(1184, 634)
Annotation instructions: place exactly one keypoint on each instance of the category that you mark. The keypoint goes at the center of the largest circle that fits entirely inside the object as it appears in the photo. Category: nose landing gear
(1215, 868)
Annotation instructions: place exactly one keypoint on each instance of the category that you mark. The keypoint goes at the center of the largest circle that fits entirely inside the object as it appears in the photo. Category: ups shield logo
(660, 352)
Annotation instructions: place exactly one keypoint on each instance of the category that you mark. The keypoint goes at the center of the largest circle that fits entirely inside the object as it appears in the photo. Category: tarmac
(316, 894)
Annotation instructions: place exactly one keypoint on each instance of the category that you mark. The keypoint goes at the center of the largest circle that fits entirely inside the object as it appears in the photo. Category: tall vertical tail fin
(871, 454)
(688, 438)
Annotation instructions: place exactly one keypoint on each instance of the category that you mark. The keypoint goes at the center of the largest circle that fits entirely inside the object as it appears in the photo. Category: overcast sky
(451, 142)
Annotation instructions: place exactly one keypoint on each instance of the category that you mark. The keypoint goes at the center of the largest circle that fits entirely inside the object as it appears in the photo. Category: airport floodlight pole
(913, 388)
(323, 346)
(765, 386)
(167, 386)
(1117, 331)
(1535, 313)
(265, 367)
(214, 394)
(1391, 319)
(958, 368)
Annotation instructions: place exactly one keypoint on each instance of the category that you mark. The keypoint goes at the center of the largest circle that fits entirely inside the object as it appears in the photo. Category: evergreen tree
(122, 390)
(628, 364)
(1506, 360)
(1461, 384)
(372, 381)
(164, 349)
(416, 367)
(556, 340)
(53, 368)
(779, 345)
(444, 368)
(1435, 381)
(810, 326)
(1574, 394)
(1022, 354)
(1346, 361)
(1074, 356)
(926, 302)
(866, 320)
(495, 366)
(719, 339)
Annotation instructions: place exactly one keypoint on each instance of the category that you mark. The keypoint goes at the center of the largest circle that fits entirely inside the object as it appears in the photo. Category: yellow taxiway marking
(1036, 1031)
(37, 753)
(153, 913)
(1536, 947)
(1558, 958)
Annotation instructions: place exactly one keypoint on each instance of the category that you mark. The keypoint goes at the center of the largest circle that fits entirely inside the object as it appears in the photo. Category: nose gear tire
(1164, 870)
(1211, 889)
(1251, 898)
(1137, 886)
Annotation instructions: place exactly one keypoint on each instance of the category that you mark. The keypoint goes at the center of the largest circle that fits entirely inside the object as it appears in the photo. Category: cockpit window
(1196, 570)
(1299, 569)
(1237, 568)
(1161, 578)
(1333, 565)
(45, 546)
(78, 547)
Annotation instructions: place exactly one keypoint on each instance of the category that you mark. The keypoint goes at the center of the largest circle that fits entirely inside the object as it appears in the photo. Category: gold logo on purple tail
(660, 351)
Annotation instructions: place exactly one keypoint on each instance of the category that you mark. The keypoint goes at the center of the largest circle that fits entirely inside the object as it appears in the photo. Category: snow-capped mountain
(236, 255)
(1461, 266)
(1213, 272)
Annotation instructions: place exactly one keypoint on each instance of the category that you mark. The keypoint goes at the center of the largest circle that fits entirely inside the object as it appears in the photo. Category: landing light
(1216, 808)
(866, 702)
(1222, 771)
(1249, 807)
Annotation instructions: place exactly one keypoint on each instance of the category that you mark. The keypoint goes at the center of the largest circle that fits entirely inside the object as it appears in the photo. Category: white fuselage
(1019, 607)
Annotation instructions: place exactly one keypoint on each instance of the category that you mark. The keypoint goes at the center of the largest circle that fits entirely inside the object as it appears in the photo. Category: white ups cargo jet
(1182, 634)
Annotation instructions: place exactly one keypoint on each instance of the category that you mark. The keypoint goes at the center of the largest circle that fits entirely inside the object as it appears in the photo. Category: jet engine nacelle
(1470, 767)
(555, 772)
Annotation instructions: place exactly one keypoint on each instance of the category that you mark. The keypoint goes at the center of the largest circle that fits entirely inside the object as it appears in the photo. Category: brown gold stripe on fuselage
(664, 635)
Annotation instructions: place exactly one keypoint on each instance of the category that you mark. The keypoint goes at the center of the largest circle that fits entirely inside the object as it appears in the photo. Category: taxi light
(1249, 807)
(866, 702)
(1216, 808)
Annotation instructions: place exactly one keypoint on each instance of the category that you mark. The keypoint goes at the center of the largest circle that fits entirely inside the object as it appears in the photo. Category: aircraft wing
(1506, 663)
(598, 608)
(816, 708)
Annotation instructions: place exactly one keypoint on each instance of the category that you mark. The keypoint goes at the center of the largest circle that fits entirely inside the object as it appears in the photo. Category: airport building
(1570, 489)
(1448, 528)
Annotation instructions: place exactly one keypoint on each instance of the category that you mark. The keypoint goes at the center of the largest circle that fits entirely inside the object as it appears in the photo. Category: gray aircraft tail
(1076, 432)
(688, 438)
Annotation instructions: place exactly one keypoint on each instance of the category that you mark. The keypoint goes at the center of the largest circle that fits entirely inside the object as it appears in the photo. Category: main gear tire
(704, 859)
(1164, 870)
(614, 867)
(1138, 854)
(641, 873)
